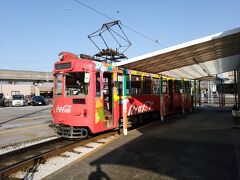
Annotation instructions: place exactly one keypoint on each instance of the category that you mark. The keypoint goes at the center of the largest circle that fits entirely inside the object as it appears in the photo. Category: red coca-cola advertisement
(142, 104)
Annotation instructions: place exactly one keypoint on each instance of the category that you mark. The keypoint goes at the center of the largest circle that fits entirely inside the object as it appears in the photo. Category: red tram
(88, 96)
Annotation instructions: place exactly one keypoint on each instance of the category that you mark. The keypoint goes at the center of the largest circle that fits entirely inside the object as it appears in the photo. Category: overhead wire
(93, 9)
(124, 25)
(131, 29)
(154, 38)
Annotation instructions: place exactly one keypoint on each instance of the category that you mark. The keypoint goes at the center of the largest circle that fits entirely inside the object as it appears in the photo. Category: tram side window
(155, 86)
(75, 85)
(120, 85)
(164, 87)
(58, 84)
(98, 90)
(177, 86)
(128, 82)
(147, 85)
(135, 85)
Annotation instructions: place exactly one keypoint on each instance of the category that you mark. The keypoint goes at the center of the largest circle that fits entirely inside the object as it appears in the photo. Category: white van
(18, 100)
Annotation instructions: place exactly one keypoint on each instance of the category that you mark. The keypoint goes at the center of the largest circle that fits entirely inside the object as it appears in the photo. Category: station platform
(202, 144)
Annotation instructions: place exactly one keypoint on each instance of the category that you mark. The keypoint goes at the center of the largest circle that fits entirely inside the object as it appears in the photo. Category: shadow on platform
(198, 146)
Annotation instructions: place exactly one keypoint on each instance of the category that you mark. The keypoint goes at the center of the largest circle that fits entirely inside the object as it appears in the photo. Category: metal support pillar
(161, 98)
(183, 96)
(220, 92)
(238, 87)
(221, 85)
(190, 94)
(208, 92)
(235, 88)
(199, 93)
(195, 93)
(223, 95)
(211, 87)
(125, 121)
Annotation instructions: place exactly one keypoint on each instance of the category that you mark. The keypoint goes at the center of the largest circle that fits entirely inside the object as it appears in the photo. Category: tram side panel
(138, 102)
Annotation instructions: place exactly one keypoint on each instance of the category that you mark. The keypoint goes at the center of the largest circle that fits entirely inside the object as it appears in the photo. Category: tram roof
(204, 57)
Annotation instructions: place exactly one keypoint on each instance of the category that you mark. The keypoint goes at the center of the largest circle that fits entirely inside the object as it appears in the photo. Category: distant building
(26, 83)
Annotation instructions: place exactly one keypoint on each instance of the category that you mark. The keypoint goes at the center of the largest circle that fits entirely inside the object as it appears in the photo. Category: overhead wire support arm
(125, 35)
(114, 38)
(100, 34)
(94, 43)
(113, 49)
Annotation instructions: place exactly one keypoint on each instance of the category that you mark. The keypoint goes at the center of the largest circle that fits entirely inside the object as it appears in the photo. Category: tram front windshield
(75, 85)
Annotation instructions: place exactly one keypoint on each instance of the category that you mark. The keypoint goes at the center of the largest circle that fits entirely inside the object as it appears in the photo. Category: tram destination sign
(63, 66)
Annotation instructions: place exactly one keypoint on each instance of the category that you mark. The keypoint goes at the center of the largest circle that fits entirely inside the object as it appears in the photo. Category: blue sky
(33, 32)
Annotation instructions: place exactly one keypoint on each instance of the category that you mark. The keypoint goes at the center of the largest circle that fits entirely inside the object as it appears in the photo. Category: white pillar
(125, 121)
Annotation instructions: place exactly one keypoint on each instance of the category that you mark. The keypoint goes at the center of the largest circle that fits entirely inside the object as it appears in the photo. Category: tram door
(170, 87)
(107, 94)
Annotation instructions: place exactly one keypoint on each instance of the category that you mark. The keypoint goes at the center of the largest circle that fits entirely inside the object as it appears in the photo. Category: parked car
(2, 100)
(18, 100)
(38, 100)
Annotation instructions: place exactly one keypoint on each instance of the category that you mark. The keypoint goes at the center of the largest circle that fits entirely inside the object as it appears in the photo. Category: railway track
(31, 156)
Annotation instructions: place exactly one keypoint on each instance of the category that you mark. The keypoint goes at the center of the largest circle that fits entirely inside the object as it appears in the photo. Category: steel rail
(42, 157)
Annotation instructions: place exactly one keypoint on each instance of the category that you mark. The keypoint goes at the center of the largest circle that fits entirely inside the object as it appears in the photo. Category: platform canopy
(204, 57)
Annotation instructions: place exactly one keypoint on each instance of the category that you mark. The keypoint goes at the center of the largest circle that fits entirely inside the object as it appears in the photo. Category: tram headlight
(61, 56)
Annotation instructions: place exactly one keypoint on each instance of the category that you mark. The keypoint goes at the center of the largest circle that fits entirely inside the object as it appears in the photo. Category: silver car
(18, 100)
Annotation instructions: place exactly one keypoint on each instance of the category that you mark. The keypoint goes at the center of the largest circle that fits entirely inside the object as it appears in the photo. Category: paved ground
(201, 145)
(19, 124)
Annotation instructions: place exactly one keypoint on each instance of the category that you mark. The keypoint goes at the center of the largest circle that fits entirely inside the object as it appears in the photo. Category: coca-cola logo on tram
(136, 109)
(64, 109)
